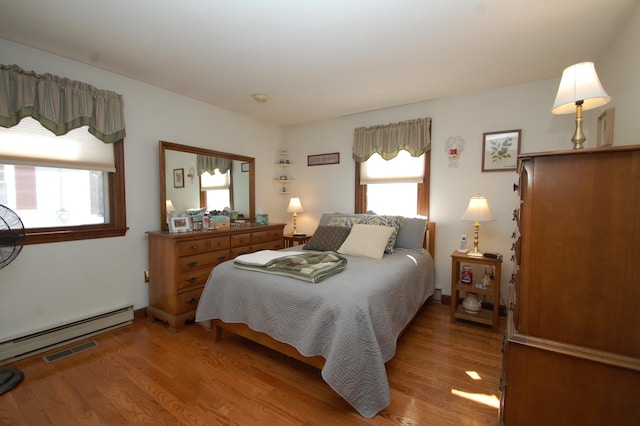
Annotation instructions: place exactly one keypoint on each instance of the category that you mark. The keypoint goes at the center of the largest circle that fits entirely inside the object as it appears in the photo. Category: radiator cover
(33, 343)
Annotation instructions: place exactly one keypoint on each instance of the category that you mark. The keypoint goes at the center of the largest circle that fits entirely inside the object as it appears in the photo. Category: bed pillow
(327, 238)
(411, 234)
(367, 241)
(344, 221)
(391, 221)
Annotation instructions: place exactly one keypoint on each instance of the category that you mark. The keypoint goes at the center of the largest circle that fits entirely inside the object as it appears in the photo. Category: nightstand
(291, 240)
(484, 316)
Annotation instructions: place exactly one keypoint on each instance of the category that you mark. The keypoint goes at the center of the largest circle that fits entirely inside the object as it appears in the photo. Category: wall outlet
(146, 276)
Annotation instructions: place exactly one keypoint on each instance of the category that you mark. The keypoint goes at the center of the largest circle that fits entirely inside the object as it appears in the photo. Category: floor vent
(70, 351)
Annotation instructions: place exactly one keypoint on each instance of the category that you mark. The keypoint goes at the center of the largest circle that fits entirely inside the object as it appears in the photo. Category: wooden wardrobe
(572, 351)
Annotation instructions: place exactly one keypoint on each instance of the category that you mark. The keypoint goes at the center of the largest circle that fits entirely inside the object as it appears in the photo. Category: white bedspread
(352, 319)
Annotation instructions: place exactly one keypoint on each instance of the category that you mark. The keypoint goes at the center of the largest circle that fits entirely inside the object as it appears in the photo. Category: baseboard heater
(30, 344)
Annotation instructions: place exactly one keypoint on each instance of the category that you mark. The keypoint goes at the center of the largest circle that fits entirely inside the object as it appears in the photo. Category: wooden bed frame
(217, 326)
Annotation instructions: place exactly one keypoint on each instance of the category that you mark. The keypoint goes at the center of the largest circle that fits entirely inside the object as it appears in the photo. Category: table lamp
(295, 207)
(581, 87)
(477, 211)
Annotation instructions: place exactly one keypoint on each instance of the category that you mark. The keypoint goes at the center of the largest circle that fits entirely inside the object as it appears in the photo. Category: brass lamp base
(578, 137)
(475, 252)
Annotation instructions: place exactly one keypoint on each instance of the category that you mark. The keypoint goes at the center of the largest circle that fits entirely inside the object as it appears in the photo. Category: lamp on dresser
(295, 207)
(579, 90)
(477, 211)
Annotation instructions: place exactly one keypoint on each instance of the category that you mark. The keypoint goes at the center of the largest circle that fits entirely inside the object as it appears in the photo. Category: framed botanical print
(500, 150)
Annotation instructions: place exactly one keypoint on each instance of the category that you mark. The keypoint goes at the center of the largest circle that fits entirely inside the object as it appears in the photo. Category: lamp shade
(579, 83)
(478, 210)
(170, 207)
(295, 206)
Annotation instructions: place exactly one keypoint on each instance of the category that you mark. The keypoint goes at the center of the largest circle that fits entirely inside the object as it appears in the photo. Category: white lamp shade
(579, 83)
(295, 206)
(478, 210)
(170, 207)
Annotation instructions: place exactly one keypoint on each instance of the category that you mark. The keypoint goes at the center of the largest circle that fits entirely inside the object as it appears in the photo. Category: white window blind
(28, 143)
(402, 169)
(215, 181)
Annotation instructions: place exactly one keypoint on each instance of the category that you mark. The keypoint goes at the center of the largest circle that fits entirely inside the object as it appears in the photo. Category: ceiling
(319, 59)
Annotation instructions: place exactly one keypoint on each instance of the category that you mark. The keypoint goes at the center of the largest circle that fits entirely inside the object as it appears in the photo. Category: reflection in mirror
(186, 182)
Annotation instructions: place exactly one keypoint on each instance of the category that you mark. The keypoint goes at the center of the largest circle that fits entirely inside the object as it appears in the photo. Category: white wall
(526, 107)
(49, 284)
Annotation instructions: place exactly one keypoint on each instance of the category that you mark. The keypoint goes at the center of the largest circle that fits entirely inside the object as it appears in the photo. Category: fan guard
(11, 242)
(11, 235)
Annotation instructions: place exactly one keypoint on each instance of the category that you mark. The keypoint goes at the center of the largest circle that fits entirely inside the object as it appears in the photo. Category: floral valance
(207, 163)
(59, 104)
(413, 136)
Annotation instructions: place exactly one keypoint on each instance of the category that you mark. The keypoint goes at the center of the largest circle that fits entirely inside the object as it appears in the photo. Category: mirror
(180, 182)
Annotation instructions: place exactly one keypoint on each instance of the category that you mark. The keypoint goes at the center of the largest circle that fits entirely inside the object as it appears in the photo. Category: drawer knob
(192, 279)
(192, 264)
(193, 301)
(194, 247)
(222, 257)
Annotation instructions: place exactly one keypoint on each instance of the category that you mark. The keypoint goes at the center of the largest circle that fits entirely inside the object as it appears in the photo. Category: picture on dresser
(180, 223)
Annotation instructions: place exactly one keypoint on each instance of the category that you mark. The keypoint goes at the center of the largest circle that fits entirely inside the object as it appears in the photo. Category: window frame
(422, 191)
(117, 226)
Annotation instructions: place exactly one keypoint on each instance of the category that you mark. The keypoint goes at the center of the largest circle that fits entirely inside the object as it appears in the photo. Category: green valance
(413, 136)
(59, 104)
(207, 163)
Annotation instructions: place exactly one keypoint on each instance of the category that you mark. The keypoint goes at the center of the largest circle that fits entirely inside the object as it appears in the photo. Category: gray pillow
(328, 238)
(411, 233)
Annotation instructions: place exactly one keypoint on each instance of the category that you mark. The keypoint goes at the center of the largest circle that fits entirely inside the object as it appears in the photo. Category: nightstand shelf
(294, 240)
(484, 316)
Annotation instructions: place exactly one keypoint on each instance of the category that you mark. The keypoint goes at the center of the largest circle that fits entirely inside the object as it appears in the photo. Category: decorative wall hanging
(321, 159)
(453, 147)
(605, 128)
(178, 178)
(500, 150)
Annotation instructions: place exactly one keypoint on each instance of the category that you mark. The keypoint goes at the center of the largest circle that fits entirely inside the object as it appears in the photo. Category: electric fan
(11, 242)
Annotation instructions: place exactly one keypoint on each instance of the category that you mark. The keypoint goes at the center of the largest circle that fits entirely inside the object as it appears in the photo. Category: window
(63, 188)
(216, 188)
(399, 186)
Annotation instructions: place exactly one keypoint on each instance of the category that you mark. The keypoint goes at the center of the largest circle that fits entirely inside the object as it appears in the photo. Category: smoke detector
(261, 98)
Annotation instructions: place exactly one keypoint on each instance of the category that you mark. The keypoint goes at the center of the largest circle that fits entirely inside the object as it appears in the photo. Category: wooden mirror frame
(163, 146)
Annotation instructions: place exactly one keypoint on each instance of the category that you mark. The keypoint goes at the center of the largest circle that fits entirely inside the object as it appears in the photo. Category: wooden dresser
(179, 265)
(572, 353)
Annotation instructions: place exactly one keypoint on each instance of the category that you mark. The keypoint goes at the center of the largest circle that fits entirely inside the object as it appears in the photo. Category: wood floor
(144, 375)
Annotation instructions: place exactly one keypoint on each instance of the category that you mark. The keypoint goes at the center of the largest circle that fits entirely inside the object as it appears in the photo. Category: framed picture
(322, 159)
(180, 223)
(605, 128)
(244, 167)
(500, 150)
(178, 178)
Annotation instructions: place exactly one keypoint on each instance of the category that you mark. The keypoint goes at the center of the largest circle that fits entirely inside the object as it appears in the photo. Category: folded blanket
(308, 266)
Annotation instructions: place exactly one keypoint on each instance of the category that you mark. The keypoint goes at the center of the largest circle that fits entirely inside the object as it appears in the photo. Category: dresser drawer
(219, 243)
(206, 260)
(264, 236)
(240, 240)
(235, 252)
(185, 248)
(188, 301)
(196, 277)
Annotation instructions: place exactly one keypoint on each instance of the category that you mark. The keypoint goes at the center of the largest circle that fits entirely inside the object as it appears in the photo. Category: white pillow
(367, 241)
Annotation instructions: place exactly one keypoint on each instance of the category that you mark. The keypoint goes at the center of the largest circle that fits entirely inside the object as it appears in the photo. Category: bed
(348, 324)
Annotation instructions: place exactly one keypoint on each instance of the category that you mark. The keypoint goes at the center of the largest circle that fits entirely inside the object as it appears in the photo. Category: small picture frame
(178, 178)
(244, 167)
(322, 159)
(180, 223)
(605, 128)
(500, 150)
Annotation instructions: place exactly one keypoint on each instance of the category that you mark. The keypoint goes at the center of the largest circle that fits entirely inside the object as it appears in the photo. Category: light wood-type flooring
(442, 374)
